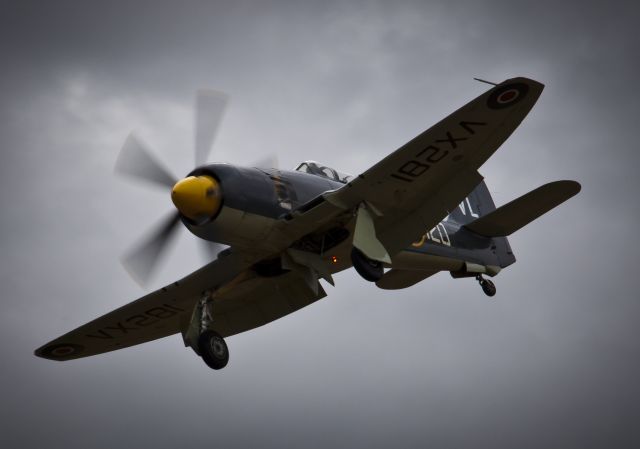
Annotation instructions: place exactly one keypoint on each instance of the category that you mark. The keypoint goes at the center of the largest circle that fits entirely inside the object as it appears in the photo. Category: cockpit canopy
(316, 168)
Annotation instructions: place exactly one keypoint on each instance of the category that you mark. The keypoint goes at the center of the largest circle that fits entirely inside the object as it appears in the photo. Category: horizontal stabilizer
(512, 216)
(395, 279)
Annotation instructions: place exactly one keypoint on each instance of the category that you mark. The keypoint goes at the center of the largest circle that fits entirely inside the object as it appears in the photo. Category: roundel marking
(62, 350)
(507, 95)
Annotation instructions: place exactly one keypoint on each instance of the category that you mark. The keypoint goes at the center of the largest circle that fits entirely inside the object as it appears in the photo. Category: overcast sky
(551, 361)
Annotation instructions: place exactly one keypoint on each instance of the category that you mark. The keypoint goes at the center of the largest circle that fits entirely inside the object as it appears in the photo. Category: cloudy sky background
(552, 361)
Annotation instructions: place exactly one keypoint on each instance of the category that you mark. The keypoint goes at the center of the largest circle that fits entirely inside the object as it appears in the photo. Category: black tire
(213, 349)
(488, 287)
(370, 270)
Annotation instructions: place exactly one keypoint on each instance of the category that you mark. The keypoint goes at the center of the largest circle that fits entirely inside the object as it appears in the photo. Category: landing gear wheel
(213, 349)
(488, 287)
(370, 270)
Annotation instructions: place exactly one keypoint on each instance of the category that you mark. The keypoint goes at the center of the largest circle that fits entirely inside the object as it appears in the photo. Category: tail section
(477, 204)
(474, 235)
(475, 207)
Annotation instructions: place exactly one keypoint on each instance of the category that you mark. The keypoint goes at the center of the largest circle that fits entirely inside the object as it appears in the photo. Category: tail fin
(478, 204)
(512, 216)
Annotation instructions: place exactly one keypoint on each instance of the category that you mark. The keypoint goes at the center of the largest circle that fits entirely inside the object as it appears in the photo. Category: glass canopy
(316, 168)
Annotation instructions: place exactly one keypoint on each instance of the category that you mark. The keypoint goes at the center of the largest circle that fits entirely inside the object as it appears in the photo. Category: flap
(261, 300)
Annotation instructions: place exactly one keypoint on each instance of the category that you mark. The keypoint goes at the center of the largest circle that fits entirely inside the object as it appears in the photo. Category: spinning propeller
(195, 197)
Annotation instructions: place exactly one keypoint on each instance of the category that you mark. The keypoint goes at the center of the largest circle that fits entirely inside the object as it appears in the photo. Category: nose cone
(197, 197)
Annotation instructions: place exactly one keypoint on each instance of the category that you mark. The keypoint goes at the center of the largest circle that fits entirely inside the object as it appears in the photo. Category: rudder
(477, 204)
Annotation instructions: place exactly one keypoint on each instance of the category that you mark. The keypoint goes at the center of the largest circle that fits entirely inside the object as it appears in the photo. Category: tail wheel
(370, 270)
(213, 349)
(488, 287)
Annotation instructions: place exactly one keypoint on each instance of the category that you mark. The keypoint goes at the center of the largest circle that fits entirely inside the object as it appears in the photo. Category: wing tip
(568, 187)
(525, 80)
(574, 186)
(59, 352)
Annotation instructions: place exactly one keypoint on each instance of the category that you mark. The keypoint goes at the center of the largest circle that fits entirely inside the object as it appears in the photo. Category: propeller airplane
(421, 210)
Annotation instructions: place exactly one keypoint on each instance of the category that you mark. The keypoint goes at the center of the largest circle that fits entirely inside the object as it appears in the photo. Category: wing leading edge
(416, 186)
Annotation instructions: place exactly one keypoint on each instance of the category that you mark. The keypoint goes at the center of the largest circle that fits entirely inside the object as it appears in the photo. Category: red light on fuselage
(334, 259)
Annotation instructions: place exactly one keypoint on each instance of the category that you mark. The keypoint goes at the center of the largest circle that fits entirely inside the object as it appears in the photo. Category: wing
(257, 301)
(158, 314)
(243, 301)
(416, 186)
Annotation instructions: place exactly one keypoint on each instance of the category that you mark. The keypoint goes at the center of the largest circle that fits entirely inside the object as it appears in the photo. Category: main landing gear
(370, 270)
(206, 342)
(488, 287)
(213, 349)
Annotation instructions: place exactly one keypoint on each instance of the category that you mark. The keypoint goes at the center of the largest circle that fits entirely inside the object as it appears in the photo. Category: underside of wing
(260, 300)
(419, 184)
(242, 300)
(161, 313)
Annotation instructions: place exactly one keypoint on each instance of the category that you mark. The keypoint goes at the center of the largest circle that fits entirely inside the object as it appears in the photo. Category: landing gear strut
(488, 287)
(207, 343)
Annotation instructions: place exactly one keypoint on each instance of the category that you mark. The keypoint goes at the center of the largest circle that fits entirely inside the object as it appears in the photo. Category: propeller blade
(270, 161)
(143, 258)
(210, 107)
(135, 160)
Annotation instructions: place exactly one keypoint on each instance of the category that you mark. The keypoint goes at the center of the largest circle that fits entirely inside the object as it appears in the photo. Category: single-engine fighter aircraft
(422, 209)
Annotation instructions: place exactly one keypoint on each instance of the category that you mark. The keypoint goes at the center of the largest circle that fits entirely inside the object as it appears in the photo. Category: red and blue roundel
(62, 351)
(507, 95)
